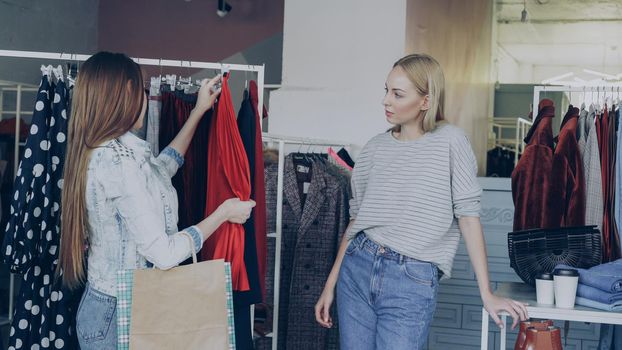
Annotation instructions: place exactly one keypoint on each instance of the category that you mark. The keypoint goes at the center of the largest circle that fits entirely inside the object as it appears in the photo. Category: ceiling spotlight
(523, 14)
(223, 8)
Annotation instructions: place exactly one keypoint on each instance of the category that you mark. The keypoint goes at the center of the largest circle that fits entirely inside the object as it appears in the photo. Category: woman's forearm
(181, 142)
(471, 229)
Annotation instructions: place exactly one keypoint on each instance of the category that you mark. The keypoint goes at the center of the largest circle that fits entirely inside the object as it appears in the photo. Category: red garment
(189, 181)
(531, 177)
(259, 187)
(7, 127)
(566, 199)
(228, 177)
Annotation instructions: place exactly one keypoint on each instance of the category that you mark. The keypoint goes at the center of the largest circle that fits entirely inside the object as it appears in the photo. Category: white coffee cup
(566, 281)
(545, 290)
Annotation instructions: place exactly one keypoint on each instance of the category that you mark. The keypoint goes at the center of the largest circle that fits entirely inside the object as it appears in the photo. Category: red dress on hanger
(228, 177)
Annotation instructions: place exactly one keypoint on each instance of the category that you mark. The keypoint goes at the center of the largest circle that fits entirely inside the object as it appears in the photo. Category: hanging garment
(618, 179)
(252, 87)
(45, 311)
(190, 181)
(259, 191)
(20, 247)
(315, 214)
(249, 125)
(531, 177)
(228, 177)
(590, 156)
(337, 159)
(254, 227)
(7, 127)
(610, 241)
(343, 154)
(614, 238)
(499, 162)
(154, 107)
(566, 197)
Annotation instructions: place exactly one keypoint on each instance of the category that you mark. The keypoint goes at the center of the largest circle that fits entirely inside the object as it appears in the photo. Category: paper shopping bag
(187, 307)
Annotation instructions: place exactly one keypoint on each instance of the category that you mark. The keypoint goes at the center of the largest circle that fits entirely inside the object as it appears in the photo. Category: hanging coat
(531, 177)
(566, 199)
(590, 156)
(228, 177)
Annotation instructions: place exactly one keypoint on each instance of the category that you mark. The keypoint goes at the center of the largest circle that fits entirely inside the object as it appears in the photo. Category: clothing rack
(153, 62)
(521, 124)
(567, 88)
(259, 69)
(282, 141)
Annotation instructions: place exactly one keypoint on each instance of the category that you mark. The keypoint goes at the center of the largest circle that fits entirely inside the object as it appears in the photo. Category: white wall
(54, 26)
(507, 67)
(336, 55)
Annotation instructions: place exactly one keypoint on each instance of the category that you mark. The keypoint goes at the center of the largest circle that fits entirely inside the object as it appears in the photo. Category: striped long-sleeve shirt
(407, 195)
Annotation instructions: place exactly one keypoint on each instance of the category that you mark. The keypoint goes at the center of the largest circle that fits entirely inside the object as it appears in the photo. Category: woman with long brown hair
(119, 208)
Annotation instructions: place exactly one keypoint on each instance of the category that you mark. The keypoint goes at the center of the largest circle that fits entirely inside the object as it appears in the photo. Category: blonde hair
(427, 76)
(106, 104)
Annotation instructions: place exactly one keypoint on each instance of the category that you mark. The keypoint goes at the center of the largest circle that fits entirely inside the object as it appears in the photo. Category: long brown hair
(427, 76)
(107, 102)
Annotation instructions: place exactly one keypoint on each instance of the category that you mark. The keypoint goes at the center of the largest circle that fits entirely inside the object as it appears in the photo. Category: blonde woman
(414, 191)
(119, 208)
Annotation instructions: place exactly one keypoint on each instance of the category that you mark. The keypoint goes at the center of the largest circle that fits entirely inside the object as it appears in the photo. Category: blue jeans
(96, 320)
(384, 300)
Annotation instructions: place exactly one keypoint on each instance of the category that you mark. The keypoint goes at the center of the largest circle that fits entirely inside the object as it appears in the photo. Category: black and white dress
(44, 316)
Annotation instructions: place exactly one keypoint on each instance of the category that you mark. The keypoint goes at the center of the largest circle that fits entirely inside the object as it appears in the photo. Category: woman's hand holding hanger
(205, 101)
(208, 93)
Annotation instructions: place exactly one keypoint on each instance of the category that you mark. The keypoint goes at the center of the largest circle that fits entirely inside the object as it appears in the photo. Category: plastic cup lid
(566, 272)
(545, 276)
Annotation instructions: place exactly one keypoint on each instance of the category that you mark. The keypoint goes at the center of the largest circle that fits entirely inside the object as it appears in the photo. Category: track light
(223, 8)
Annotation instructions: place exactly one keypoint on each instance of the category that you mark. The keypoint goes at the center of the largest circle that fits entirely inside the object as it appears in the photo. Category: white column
(336, 56)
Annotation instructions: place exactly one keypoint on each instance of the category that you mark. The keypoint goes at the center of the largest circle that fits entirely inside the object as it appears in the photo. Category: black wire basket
(540, 250)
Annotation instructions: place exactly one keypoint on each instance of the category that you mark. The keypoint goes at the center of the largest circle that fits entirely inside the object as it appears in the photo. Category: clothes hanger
(58, 73)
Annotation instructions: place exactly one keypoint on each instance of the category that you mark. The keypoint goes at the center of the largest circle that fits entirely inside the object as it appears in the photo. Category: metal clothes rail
(152, 62)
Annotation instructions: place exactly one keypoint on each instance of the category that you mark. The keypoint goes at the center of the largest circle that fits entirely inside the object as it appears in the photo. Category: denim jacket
(132, 211)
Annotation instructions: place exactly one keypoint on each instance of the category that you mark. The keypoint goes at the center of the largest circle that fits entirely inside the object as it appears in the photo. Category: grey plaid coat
(310, 240)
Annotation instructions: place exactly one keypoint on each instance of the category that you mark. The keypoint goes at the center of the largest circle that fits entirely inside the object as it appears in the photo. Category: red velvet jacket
(531, 177)
(566, 199)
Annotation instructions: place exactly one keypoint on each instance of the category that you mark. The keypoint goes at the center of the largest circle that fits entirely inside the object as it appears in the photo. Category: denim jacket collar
(136, 144)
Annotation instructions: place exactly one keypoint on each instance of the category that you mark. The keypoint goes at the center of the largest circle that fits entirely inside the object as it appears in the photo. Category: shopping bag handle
(194, 253)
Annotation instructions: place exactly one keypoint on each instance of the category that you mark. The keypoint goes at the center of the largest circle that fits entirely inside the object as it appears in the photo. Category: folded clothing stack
(600, 287)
